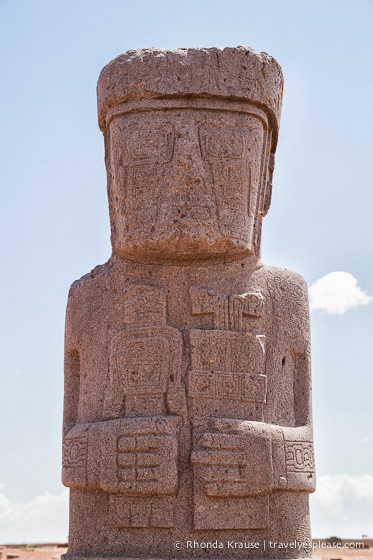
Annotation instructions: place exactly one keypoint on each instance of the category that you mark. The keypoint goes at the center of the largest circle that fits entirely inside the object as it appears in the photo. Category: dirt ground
(53, 552)
(343, 554)
(29, 552)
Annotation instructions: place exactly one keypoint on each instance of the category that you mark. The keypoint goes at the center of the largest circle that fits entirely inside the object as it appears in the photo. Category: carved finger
(220, 441)
(127, 460)
(126, 444)
(228, 489)
(150, 443)
(220, 474)
(222, 458)
(226, 425)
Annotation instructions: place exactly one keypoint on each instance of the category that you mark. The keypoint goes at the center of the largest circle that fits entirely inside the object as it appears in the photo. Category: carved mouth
(191, 211)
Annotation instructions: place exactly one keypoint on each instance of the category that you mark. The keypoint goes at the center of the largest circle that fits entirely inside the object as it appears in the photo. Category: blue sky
(55, 226)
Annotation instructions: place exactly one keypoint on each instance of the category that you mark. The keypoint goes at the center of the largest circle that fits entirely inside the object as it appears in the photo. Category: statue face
(186, 183)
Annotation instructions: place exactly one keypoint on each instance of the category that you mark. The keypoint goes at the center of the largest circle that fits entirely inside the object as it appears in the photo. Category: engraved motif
(227, 369)
(144, 364)
(144, 305)
(225, 351)
(278, 284)
(141, 456)
(303, 534)
(220, 142)
(138, 458)
(299, 456)
(235, 513)
(143, 361)
(149, 145)
(125, 512)
(227, 312)
(232, 462)
(250, 304)
(192, 209)
(240, 386)
(254, 388)
(142, 176)
(75, 451)
(205, 301)
(290, 312)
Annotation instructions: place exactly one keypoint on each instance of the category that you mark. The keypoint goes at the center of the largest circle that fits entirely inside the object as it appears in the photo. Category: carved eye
(150, 145)
(221, 142)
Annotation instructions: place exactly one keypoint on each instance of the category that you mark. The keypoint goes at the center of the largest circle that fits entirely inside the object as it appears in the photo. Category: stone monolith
(187, 416)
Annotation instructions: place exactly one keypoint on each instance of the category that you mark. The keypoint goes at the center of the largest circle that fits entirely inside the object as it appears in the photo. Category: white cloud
(44, 519)
(342, 506)
(336, 293)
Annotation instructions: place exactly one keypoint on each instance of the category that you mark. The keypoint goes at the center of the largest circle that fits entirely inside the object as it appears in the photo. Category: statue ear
(268, 187)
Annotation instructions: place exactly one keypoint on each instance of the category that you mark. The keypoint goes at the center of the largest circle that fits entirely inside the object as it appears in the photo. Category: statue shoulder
(285, 284)
(287, 304)
(86, 292)
(91, 281)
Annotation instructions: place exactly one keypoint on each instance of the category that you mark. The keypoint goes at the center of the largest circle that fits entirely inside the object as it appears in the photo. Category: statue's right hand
(131, 456)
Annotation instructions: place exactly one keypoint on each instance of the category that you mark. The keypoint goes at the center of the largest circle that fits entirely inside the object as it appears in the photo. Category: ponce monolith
(187, 415)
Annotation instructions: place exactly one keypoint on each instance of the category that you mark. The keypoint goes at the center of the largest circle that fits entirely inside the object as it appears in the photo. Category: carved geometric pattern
(141, 456)
(144, 305)
(234, 173)
(299, 456)
(147, 512)
(146, 464)
(145, 365)
(75, 451)
(227, 311)
(143, 359)
(250, 304)
(303, 534)
(290, 316)
(150, 145)
(226, 351)
(219, 385)
(285, 287)
(234, 513)
(142, 362)
(221, 142)
(205, 301)
(138, 457)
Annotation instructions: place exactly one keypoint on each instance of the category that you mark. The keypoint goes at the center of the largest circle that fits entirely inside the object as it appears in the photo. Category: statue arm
(259, 457)
(71, 370)
(75, 435)
(292, 446)
(298, 440)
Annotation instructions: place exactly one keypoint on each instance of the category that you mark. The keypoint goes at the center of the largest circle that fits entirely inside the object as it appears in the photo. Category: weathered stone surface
(187, 374)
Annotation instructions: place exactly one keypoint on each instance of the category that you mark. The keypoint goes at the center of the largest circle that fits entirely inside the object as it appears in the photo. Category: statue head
(190, 137)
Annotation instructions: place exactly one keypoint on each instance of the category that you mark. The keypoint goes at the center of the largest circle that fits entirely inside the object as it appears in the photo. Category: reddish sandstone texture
(187, 374)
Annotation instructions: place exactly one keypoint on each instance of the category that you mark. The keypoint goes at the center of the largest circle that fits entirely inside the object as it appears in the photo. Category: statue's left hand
(234, 459)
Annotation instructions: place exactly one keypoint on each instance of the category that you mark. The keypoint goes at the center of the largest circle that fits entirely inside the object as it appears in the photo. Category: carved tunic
(163, 390)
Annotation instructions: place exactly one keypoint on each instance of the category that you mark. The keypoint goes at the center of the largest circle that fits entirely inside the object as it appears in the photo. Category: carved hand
(133, 456)
(234, 459)
(145, 464)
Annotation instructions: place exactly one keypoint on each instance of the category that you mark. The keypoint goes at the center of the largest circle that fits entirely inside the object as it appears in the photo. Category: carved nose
(187, 168)
(186, 185)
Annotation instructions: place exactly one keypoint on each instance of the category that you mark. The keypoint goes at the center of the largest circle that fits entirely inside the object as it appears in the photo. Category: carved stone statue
(187, 414)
